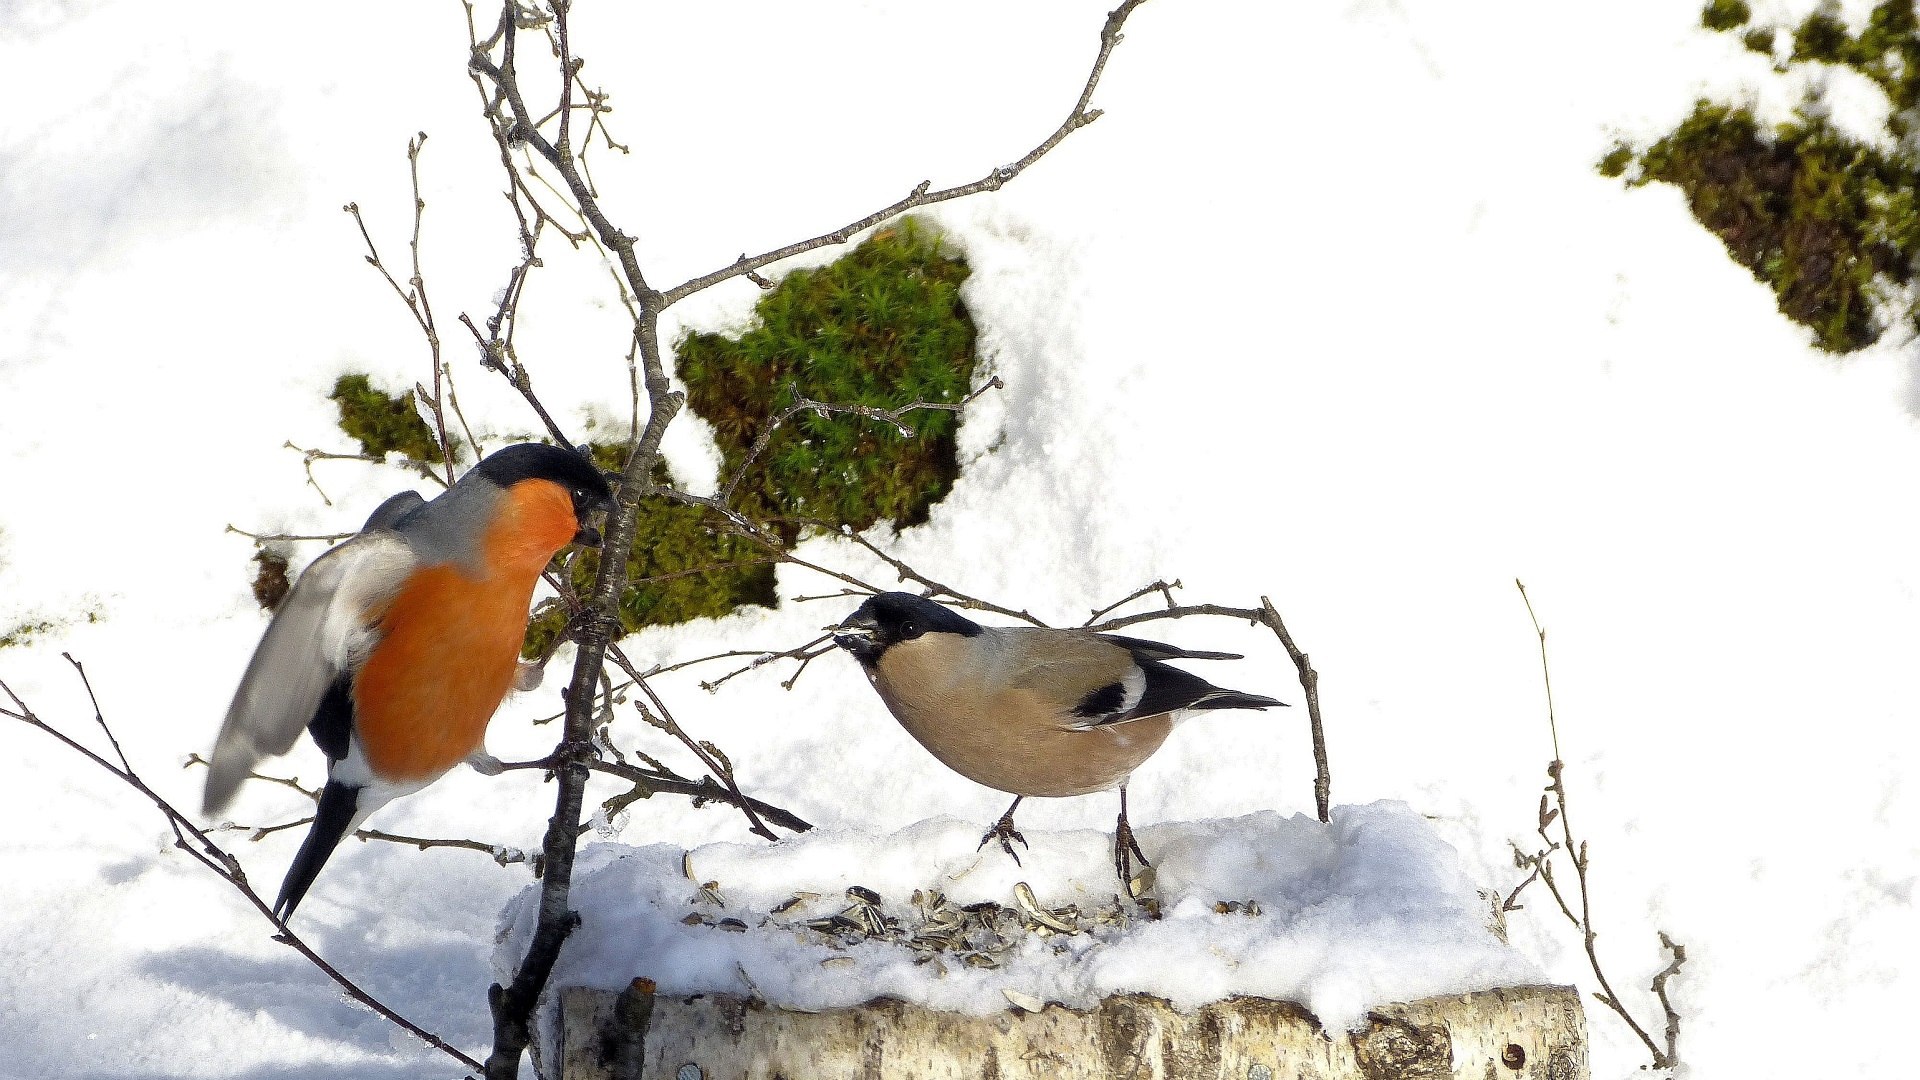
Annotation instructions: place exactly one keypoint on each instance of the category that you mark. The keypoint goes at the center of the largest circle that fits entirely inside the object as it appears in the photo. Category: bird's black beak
(588, 534)
(859, 635)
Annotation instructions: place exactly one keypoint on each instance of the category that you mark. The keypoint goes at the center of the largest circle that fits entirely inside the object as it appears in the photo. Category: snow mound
(1371, 908)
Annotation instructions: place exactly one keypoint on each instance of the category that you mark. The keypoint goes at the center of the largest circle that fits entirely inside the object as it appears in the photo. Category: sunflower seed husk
(1023, 1001)
(1142, 883)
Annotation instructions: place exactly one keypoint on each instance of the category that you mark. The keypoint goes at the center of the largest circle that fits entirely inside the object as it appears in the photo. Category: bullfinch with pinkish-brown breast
(1030, 711)
(394, 649)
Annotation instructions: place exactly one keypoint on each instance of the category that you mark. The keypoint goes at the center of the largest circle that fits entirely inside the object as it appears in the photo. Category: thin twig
(659, 779)
(1309, 685)
(308, 457)
(189, 838)
(268, 538)
(1666, 1057)
(662, 717)
(1165, 589)
(1078, 118)
(802, 403)
(419, 284)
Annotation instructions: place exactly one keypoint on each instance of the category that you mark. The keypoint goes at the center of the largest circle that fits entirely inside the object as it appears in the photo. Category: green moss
(1724, 14)
(883, 326)
(680, 569)
(384, 424)
(1823, 37)
(1819, 217)
(29, 629)
(26, 632)
(1616, 162)
(1825, 219)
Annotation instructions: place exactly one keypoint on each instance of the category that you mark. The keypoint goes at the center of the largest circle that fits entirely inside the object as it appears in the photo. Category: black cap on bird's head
(887, 619)
(570, 469)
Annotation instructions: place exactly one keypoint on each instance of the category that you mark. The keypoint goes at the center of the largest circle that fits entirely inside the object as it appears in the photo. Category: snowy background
(1330, 306)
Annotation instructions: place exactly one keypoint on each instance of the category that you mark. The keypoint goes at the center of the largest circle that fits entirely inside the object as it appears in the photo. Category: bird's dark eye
(909, 629)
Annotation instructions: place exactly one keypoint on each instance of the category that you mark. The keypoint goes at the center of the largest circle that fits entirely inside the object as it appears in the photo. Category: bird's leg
(484, 763)
(1125, 847)
(1004, 832)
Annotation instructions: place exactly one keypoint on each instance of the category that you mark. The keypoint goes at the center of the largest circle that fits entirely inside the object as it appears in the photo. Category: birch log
(1523, 1033)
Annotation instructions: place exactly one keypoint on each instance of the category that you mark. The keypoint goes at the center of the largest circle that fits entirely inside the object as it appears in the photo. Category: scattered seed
(1023, 1001)
(793, 902)
(1142, 883)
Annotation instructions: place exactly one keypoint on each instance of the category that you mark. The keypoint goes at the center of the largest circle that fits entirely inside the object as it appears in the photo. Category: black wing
(1164, 689)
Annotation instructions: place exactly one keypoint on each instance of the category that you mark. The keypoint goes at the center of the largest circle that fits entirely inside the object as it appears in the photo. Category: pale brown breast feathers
(1016, 738)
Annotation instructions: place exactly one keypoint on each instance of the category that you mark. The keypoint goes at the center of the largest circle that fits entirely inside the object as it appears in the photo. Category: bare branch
(802, 403)
(1165, 589)
(414, 296)
(283, 781)
(1666, 1057)
(1310, 686)
(920, 196)
(419, 284)
(189, 838)
(662, 718)
(310, 456)
(659, 779)
(501, 853)
(269, 538)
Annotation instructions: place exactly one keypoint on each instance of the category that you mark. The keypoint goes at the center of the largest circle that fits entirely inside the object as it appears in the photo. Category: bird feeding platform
(1524, 1033)
(1358, 947)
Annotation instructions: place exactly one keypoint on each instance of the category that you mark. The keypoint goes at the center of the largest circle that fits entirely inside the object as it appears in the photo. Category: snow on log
(1333, 918)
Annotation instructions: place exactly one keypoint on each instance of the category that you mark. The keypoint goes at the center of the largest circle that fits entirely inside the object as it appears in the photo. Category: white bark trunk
(1525, 1033)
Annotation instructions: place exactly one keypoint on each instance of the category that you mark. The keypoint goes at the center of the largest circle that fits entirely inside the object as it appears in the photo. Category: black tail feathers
(337, 805)
(1234, 699)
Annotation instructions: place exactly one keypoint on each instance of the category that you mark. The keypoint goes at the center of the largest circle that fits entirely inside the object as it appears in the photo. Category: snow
(1372, 908)
(1329, 306)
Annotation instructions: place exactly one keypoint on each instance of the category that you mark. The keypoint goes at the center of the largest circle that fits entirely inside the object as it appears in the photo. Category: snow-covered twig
(191, 839)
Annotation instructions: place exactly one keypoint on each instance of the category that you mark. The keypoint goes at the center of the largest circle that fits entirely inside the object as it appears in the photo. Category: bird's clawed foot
(1125, 851)
(1134, 884)
(1004, 832)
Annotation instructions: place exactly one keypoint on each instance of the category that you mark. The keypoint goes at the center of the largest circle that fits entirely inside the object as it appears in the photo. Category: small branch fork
(1553, 808)
(503, 854)
(414, 295)
(921, 195)
(801, 403)
(189, 838)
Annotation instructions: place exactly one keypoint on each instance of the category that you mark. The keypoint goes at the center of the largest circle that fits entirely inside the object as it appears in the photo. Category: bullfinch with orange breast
(1026, 710)
(394, 649)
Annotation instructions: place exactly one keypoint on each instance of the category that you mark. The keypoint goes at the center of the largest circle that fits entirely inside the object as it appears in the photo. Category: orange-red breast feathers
(450, 641)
